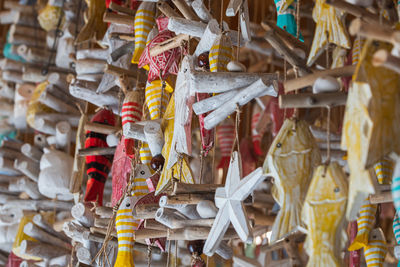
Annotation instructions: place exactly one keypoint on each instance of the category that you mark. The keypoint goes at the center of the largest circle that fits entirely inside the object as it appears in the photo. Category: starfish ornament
(229, 200)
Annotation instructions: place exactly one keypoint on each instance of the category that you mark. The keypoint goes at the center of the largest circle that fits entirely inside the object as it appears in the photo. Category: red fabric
(13, 260)
(278, 115)
(114, 1)
(94, 191)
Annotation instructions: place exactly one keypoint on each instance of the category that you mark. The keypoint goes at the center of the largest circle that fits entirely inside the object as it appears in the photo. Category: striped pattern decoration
(156, 99)
(144, 22)
(220, 53)
(357, 47)
(384, 171)
(396, 193)
(255, 136)
(131, 108)
(145, 153)
(126, 226)
(365, 222)
(140, 188)
(396, 228)
(376, 249)
(226, 138)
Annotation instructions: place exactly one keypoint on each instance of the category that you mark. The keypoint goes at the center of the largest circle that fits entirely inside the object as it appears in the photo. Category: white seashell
(236, 66)
(326, 84)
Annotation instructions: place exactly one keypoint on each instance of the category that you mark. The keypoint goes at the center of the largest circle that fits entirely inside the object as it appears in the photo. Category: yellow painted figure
(365, 223)
(370, 126)
(156, 98)
(144, 22)
(180, 170)
(384, 170)
(220, 53)
(291, 159)
(323, 212)
(329, 29)
(376, 249)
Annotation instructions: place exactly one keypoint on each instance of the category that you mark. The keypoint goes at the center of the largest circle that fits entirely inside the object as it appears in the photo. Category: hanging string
(222, 14)
(176, 253)
(169, 252)
(238, 32)
(237, 122)
(201, 166)
(149, 254)
(284, 79)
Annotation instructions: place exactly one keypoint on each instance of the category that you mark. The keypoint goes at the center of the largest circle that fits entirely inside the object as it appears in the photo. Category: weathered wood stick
(83, 255)
(104, 212)
(76, 232)
(206, 209)
(45, 126)
(89, 66)
(374, 31)
(14, 5)
(101, 222)
(320, 134)
(122, 36)
(233, 8)
(122, 9)
(100, 128)
(7, 165)
(58, 79)
(96, 151)
(127, 48)
(57, 104)
(385, 59)
(7, 89)
(145, 211)
(117, 71)
(92, 53)
(102, 231)
(242, 261)
(167, 10)
(218, 82)
(154, 137)
(111, 17)
(308, 100)
(197, 233)
(36, 232)
(189, 199)
(186, 26)
(82, 213)
(63, 136)
(12, 76)
(31, 152)
(383, 197)
(259, 217)
(8, 17)
(359, 12)
(214, 102)
(9, 179)
(173, 221)
(41, 250)
(153, 224)
(291, 41)
(39, 204)
(11, 154)
(184, 8)
(168, 44)
(183, 188)
(28, 31)
(33, 54)
(201, 11)
(25, 185)
(207, 39)
(9, 64)
(6, 108)
(308, 80)
(21, 39)
(14, 145)
(294, 60)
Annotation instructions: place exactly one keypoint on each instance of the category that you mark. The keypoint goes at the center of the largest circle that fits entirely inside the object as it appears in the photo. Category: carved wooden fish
(376, 249)
(220, 53)
(290, 160)
(323, 211)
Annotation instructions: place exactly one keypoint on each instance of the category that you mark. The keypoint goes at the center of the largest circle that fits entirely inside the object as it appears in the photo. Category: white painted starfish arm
(234, 174)
(239, 221)
(217, 231)
(248, 184)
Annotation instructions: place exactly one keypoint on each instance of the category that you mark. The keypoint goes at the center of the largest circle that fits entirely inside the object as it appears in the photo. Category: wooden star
(229, 200)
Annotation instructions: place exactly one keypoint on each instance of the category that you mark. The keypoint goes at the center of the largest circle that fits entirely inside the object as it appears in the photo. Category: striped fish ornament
(396, 231)
(139, 188)
(286, 20)
(144, 23)
(376, 249)
(220, 53)
(226, 138)
(384, 171)
(145, 154)
(125, 225)
(396, 192)
(365, 222)
(357, 48)
(97, 167)
(156, 99)
(255, 136)
(131, 112)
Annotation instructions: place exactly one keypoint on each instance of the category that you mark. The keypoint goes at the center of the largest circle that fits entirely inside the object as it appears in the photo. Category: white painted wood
(89, 66)
(245, 21)
(38, 204)
(202, 12)
(229, 200)
(57, 104)
(6, 108)
(9, 64)
(8, 17)
(31, 152)
(7, 166)
(207, 39)
(185, 26)
(42, 223)
(83, 255)
(214, 102)
(245, 95)
(7, 89)
(33, 54)
(28, 167)
(12, 76)
(92, 53)
(134, 131)
(242, 261)
(154, 137)
(39, 234)
(326, 84)
(72, 119)
(169, 218)
(63, 136)
(58, 79)
(25, 185)
(363, 3)
(45, 126)
(207, 209)
(224, 250)
(81, 212)
(233, 7)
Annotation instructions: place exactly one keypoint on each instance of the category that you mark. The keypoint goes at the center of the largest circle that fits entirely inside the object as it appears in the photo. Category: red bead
(203, 61)
(157, 162)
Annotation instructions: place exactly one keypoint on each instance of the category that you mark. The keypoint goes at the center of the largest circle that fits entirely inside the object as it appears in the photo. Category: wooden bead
(202, 60)
(157, 162)
(196, 246)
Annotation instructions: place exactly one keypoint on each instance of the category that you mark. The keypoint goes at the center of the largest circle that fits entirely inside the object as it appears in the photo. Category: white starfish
(229, 200)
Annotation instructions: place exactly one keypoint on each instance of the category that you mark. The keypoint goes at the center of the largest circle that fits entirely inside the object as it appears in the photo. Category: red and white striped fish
(131, 112)
(226, 138)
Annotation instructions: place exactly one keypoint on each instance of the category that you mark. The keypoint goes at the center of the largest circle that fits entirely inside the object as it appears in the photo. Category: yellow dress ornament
(323, 212)
(94, 28)
(329, 29)
(291, 159)
(370, 126)
(180, 170)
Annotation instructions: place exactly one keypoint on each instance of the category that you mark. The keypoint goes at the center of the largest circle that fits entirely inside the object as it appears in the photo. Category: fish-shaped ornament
(285, 16)
(365, 223)
(376, 249)
(180, 170)
(384, 171)
(220, 53)
(225, 138)
(291, 159)
(396, 182)
(370, 123)
(396, 231)
(323, 212)
(156, 98)
(97, 166)
(329, 29)
(144, 22)
(126, 226)
(131, 112)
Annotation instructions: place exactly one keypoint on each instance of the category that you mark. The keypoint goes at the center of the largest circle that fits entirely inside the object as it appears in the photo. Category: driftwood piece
(36, 232)
(25, 185)
(63, 136)
(82, 213)
(89, 65)
(290, 40)
(39, 205)
(100, 128)
(374, 31)
(173, 221)
(57, 104)
(202, 12)
(183, 188)
(122, 9)
(210, 34)
(384, 197)
(104, 212)
(145, 211)
(96, 151)
(41, 250)
(309, 100)
(127, 48)
(168, 44)
(189, 199)
(167, 10)
(7, 166)
(185, 9)
(121, 19)
(186, 26)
